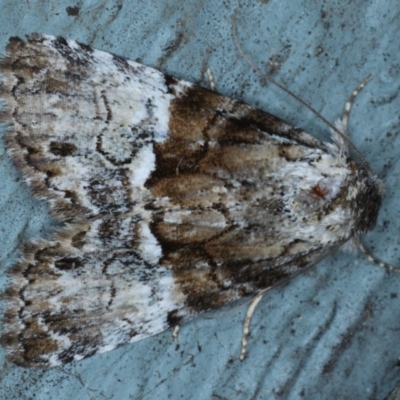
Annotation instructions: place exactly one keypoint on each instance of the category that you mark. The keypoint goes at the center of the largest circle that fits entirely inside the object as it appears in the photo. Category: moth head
(368, 200)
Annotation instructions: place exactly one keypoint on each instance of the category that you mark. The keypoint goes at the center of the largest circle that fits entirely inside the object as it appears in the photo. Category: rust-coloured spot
(319, 191)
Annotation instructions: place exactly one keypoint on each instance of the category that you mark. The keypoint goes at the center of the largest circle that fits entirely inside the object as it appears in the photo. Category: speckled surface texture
(331, 333)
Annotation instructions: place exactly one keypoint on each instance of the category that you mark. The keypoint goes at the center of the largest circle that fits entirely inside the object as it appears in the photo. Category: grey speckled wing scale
(175, 200)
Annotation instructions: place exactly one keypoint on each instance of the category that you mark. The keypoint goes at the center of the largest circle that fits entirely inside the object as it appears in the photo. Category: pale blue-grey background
(331, 333)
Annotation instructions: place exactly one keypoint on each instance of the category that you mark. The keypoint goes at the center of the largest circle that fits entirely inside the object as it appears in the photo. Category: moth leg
(210, 79)
(175, 332)
(246, 326)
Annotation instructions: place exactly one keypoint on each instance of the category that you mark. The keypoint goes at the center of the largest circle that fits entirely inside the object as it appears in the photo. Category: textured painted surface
(333, 332)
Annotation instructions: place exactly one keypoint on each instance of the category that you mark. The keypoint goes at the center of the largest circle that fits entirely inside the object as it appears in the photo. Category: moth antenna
(346, 113)
(374, 259)
(304, 103)
(350, 101)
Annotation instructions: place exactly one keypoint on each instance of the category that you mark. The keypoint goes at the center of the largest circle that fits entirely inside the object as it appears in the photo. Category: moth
(174, 200)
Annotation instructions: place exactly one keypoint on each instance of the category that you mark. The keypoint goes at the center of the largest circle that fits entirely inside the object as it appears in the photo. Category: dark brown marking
(72, 11)
(68, 263)
(62, 149)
